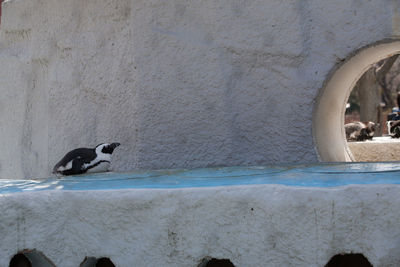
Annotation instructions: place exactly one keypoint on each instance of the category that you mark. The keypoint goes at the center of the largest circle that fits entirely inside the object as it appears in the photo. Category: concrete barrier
(380, 149)
(276, 216)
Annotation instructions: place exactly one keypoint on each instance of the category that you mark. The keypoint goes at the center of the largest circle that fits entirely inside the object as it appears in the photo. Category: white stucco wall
(263, 225)
(178, 83)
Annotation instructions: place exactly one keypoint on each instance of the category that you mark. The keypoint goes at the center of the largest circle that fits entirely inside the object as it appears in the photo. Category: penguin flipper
(73, 161)
(76, 168)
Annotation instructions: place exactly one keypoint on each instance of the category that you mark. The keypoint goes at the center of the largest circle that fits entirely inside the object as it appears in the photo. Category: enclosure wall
(177, 83)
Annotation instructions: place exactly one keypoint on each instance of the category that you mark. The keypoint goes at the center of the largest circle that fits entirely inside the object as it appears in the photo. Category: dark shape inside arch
(104, 262)
(30, 258)
(213, 262)
(349, 260)
(20, 260)
(97, 262)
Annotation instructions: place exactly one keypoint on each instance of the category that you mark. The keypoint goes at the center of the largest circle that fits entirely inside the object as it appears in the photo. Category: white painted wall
(178, 83)
(263, 225)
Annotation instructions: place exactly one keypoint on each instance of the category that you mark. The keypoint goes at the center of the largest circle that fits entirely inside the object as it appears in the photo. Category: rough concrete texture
(380, 149)
(263, 225)
(178, 83)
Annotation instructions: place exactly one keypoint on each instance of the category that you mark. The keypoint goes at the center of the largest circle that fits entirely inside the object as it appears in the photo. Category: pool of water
(316, 175)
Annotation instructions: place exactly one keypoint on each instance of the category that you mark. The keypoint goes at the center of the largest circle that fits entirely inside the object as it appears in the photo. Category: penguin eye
(107, 150)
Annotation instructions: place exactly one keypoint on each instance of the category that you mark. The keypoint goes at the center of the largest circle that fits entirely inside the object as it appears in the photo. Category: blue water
(317, 175)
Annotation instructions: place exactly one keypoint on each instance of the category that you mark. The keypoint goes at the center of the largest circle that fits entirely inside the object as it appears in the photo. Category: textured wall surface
(178, 83)
(263, 225)
(385, 149)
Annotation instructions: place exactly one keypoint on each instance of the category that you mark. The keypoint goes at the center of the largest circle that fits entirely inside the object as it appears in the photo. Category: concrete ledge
(380, 149)
(251, 225)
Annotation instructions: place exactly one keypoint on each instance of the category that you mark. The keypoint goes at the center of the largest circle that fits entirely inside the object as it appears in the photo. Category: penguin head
(106, 148)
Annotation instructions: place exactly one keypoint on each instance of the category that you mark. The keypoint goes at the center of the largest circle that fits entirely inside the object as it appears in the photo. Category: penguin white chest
(103, 167)
(101, 157)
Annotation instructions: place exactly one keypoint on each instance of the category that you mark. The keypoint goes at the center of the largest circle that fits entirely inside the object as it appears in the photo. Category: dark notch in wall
(97, 262)
(349, 260)
(30, 258)
(213, 262)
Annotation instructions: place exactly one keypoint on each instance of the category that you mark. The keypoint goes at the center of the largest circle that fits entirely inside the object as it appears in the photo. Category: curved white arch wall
(328, 120)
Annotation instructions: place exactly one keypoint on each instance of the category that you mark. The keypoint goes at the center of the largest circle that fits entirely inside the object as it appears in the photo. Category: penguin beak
(114, 145)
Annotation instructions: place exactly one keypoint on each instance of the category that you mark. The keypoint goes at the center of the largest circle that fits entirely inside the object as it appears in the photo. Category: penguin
(360, 131)
(80, 160)
(394, 129)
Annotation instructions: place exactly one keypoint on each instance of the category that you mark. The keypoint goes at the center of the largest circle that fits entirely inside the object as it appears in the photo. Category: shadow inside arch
(30, 258)
(349, 260)
(97, 262)
(213, 262)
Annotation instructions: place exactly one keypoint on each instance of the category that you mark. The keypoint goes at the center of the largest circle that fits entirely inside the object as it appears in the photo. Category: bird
(394, 129)
(80, 160)
(360, 131)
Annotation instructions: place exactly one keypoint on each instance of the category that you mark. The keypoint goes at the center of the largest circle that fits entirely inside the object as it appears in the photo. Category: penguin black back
(80, 160)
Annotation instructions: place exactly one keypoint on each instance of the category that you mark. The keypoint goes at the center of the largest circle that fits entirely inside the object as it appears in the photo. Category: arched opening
(373, 104)
(104, 262)
(20, 260)
(30, 258)
(348, 260)
(213, 262)
(328, 115)
(97, 262)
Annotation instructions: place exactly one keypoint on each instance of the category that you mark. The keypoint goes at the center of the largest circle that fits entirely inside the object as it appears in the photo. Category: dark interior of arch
(20, 260)
(349, 260)
(30, 258)
(97, 262)
(216, 263)
(104, 262)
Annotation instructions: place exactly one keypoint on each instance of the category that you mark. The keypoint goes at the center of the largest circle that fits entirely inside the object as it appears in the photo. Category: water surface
(314, 175)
